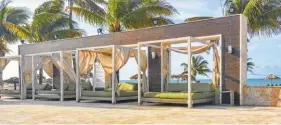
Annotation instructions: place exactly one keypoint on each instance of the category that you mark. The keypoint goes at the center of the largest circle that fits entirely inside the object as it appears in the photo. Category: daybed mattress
(56, 92)
(9, 91)
(108, 93)
(179, 95)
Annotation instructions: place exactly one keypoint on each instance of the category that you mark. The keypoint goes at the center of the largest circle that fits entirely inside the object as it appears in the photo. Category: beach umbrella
(13, 80)
(271, 77)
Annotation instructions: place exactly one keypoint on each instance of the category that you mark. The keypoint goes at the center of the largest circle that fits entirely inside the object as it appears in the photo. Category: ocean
(250, 82)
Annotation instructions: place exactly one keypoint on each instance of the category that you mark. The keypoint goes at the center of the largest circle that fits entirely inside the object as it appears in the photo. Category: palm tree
(50, 22)
(263, 15)
(197, 18)
(250, 65)
(120, 15)
(11, 20)
(199, 67)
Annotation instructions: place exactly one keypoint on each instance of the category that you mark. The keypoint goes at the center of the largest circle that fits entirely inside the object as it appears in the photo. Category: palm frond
(88, 16)
(20, 32)
(191, 19)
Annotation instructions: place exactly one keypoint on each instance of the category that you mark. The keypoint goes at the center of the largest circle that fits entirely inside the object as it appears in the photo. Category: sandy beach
(70, 112)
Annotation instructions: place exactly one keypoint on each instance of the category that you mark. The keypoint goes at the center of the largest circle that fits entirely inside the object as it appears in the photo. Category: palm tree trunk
(70, 2)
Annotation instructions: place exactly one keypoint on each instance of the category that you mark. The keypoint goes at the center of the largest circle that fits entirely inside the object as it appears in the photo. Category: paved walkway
(70, 112)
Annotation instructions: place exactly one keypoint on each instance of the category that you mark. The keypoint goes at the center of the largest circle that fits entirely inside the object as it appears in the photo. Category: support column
(77, 77)
(189, 74)
(139, 75)
(113, 75)
(61, 77)
(33, 77)
(21, 79)
(162, 60)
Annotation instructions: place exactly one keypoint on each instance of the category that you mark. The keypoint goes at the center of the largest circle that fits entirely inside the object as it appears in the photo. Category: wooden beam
(113, 75)
(33, 77)
(139, 75)
(77, 77)
(61, 77)
(189, 73)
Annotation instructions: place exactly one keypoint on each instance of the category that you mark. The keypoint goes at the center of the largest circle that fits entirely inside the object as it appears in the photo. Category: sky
(263, 51)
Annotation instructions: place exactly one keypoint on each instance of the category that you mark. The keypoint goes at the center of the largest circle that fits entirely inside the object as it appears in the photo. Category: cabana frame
(187, 40)
(113, 98)
(21, 85)
(61, 97)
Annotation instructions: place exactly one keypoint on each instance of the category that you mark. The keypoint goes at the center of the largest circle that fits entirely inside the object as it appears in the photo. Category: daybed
(15, 94)
(125, 91)
(45, 91)
(177, 93)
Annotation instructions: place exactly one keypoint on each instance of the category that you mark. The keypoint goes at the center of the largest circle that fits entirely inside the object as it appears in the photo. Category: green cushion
(57, 92)
(127, 86)
(178, 95)
(29, 86)
(86, 86)
(196, 87)
(108, 93)
(9, 92)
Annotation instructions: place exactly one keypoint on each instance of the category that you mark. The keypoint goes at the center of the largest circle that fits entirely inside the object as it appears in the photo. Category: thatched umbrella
(135, 77)
(271, 77)
(180, 76)
(13, 80)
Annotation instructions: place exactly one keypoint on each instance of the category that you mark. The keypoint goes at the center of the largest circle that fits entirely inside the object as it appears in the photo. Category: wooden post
(33, 77)
(61, 77)
(139, 75)
(189, 74)
(162, 59)
(52, 69)
(77, 77)
(113, 75)
(94, 76)
(21, 79)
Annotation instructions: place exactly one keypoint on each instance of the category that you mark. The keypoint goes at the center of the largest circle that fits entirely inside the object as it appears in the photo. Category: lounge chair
(125, 91)
(46, 92)
(177, 93)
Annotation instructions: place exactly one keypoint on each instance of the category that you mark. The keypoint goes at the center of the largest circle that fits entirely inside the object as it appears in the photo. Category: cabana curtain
(3, 64)
(216, 58)
(165, 69)
(104, 56)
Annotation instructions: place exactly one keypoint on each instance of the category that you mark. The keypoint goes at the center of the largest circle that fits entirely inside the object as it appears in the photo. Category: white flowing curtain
(104, 56)
(165, 69)
(3, 64)
(216, 58)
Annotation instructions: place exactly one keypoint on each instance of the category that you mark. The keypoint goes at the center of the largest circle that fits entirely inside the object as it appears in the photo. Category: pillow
(127, 87)
(71, 87)
(29, 86)
(48, 87)
(40, 86)
(87, 86)
(57, 86)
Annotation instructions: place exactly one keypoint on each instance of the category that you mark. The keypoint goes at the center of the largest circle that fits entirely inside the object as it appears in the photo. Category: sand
(70, 112)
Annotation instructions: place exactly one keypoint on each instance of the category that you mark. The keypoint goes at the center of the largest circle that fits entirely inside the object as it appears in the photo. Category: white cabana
(4, 61)
(165, 47)
(62, 60)
(112, 58)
